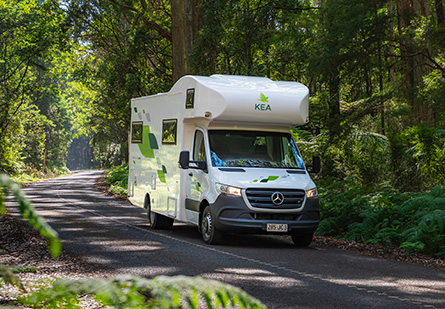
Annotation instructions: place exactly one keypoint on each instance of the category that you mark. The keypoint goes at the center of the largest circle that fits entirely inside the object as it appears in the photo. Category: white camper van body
(211, 117)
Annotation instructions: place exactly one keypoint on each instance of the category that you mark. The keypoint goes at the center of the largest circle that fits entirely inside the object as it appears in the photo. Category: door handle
(190, 174)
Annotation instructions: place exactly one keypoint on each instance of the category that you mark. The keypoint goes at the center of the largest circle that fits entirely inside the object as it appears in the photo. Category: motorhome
(217, 152)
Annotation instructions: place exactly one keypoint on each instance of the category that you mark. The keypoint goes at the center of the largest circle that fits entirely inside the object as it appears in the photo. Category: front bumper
(232, 215)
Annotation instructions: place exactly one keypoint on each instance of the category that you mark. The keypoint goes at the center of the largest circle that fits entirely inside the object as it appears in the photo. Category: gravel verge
(22, 248)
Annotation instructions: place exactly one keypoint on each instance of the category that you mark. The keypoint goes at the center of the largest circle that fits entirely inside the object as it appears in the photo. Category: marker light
(228, 190)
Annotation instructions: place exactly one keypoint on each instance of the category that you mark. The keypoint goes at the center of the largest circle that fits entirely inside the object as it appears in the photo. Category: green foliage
(417, 158)
(413, 221)
(358, 152)
(138, 292)
(117, 178)
(29, 92)
(251, 38)
(121, 58)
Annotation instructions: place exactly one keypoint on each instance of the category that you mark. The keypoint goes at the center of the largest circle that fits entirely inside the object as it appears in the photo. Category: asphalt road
(114, 234)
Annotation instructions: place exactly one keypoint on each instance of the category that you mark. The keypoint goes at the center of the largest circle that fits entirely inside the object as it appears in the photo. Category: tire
(302, 240)
(159, 222)
(208, 230)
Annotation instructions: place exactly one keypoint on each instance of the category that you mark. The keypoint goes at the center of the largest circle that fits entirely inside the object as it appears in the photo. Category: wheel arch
(203, 205)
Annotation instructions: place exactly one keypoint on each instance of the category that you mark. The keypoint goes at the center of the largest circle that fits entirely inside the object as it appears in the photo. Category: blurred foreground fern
(138, 292)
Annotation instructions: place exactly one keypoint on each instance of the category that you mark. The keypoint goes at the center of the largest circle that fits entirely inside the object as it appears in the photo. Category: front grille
(262, 198)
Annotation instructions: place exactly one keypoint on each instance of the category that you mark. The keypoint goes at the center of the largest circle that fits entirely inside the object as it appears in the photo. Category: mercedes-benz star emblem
(277, 198)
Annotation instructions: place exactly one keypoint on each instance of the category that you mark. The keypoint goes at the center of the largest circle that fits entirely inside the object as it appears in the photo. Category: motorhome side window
(169, 128)
(199, 148)
(190, 99)
(136, 132)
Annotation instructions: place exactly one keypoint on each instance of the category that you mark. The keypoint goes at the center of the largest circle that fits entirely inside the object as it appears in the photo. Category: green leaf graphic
(263, 98)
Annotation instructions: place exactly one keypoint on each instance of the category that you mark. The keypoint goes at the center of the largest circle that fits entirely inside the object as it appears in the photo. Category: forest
(375, 70)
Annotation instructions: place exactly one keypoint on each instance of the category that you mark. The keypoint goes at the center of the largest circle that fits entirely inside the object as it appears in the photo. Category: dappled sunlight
(129, 246)
(409, 286)
(259, 275)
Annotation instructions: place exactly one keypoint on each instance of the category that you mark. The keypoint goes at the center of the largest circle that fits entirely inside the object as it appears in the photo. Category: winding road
(114, 234)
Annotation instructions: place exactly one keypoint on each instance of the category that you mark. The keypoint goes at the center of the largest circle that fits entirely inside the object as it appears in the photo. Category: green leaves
(117, 178)
(138, 292)
(263, 98)
(415, 222)
(28, 37)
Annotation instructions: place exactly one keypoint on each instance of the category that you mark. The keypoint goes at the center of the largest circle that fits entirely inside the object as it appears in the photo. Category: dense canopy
(375, 69)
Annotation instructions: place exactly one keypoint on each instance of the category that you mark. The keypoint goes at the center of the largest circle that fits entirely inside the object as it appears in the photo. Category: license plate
(273, 227)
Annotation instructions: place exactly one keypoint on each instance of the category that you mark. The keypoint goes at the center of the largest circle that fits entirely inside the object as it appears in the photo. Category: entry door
(200, 181)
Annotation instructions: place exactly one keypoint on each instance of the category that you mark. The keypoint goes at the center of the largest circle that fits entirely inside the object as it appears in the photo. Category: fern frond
(138, 292)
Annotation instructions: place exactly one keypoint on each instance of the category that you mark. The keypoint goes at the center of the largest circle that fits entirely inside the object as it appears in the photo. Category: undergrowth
(369, 214)
(117, 178)
(138, 292)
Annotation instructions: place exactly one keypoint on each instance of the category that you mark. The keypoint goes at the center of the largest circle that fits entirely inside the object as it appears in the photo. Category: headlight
(312, 193)
(228, 190)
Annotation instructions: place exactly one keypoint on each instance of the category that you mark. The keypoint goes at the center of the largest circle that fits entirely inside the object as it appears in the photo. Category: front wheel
(302, 239)
(208, 230)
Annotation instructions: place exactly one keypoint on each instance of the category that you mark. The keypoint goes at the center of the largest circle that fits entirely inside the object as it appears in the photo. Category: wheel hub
(207, 225)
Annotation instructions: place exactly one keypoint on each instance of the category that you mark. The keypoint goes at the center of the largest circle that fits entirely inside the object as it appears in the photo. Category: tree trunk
(421, 67)
(403, 22)
(185, 26)
(392, 60)
(414, 58)
(334, 105)
(438, 5)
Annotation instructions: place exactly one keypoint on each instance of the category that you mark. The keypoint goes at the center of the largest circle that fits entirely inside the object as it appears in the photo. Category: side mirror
(184, 159)
(316, 165)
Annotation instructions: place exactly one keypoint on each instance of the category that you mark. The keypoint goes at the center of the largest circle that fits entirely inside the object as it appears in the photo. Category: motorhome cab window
(199, 148)
(253, 149)
(169, 128)
(136, 132)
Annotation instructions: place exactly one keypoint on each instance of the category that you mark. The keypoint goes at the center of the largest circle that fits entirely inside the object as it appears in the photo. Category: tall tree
(415, 53)
(185, 26)
(181, 31)
(29, 30)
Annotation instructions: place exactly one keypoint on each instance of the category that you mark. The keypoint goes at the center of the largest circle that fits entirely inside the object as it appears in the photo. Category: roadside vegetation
(117, 179)
(414, 222)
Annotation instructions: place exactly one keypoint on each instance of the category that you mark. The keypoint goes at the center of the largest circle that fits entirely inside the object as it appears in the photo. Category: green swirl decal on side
(145, 146)
(161, 176)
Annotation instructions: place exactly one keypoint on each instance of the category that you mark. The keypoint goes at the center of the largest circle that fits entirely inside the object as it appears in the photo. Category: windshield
(253, 149)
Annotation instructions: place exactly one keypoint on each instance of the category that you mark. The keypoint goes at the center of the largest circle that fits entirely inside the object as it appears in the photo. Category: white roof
(246, 99)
